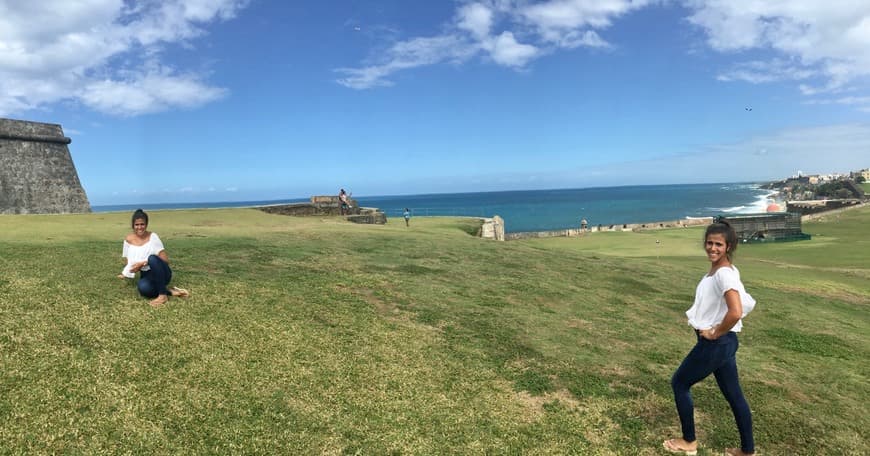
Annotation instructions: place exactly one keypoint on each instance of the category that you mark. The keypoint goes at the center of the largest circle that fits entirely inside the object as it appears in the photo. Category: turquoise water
(538, 210)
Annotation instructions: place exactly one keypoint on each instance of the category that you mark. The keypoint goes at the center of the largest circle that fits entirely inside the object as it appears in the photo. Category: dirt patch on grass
(828, 294)
(857, 272)
(534, 405)
(615, 371)
(578, 323)
(209, 223)
(368, 295)
(386, 309)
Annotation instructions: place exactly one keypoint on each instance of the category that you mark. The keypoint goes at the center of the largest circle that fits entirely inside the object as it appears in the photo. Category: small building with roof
(769, 227)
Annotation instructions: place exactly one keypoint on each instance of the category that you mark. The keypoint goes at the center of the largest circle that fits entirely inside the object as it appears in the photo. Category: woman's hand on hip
(709, 334)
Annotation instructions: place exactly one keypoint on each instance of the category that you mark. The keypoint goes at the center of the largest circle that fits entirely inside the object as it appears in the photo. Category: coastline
(547, 210)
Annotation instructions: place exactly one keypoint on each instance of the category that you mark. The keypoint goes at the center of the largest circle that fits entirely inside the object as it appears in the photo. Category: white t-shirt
(710, 308)
(137, 253)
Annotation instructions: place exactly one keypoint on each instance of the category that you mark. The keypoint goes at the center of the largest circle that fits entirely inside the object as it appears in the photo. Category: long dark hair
(139, 214)
(721, 226)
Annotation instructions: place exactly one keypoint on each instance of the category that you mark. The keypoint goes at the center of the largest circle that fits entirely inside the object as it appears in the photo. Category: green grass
(317, 336)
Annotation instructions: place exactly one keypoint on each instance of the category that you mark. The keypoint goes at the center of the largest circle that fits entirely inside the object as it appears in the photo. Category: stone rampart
(683, 223)
(368, 215)
(809, 207)
(37, 174)
(820, 215)
(319, 205)
(328, 205)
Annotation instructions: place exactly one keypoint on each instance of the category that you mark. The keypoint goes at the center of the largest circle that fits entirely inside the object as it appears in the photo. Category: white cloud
(505, 50)
(148, 93)
(758, 71)
(410, 54)
(861, 103)
(823, 45)
(476, 18)
(507, 32)
(55, 50)
(557, 18)
(826, 39)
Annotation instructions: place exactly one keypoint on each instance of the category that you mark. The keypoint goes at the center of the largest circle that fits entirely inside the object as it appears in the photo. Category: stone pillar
(37, 174)
(492, 228)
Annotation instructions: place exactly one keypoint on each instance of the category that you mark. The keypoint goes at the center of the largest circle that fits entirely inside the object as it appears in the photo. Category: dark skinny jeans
(153, 282)
(713, 357)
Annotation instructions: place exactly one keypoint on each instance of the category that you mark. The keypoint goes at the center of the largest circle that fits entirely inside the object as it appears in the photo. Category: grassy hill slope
(316, 336)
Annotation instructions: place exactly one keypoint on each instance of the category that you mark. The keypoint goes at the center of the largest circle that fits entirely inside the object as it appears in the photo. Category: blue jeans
(153, 282)
(713, 357)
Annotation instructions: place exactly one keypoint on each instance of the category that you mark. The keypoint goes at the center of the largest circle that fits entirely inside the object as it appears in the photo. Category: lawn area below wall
(318, 336)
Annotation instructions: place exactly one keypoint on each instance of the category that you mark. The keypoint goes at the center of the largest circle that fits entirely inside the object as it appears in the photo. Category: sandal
(180, 292)
(674, 447)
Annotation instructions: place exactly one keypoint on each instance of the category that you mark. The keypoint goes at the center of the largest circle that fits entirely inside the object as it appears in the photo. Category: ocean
(540, 210)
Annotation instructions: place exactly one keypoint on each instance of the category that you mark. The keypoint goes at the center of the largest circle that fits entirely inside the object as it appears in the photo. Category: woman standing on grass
(720, 304)
(145, 254)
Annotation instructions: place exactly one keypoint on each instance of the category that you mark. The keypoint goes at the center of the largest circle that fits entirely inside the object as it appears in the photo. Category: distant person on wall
(343, 202)
(583, 224)
(717, 314)
(144, 253)
(407, 215)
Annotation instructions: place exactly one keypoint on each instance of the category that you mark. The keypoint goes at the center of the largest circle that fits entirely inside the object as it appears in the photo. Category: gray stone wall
(37, 174)
(328, 205)
(684, 223)
(808, 207)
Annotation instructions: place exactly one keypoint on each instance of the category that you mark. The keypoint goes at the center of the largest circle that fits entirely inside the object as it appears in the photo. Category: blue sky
(232, 100)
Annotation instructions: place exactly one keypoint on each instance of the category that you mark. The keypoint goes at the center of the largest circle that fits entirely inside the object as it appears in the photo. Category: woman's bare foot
(736, 452)
(179, 292)
(159, 301)
(681, 446)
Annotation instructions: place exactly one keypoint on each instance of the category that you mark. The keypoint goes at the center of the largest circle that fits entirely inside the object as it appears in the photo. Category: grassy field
(317, 336)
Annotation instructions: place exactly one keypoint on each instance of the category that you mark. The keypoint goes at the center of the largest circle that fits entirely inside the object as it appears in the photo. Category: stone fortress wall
(572, 232)
(328, 205)
(37, 174)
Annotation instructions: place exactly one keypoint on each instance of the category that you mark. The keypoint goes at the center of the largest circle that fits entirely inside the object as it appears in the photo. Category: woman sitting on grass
(721, 302)
(145, 254)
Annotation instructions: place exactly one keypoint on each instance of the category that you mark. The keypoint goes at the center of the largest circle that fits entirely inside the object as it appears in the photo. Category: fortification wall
(817, 206)
(37, 174)
(328, 205)
(683, 223)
